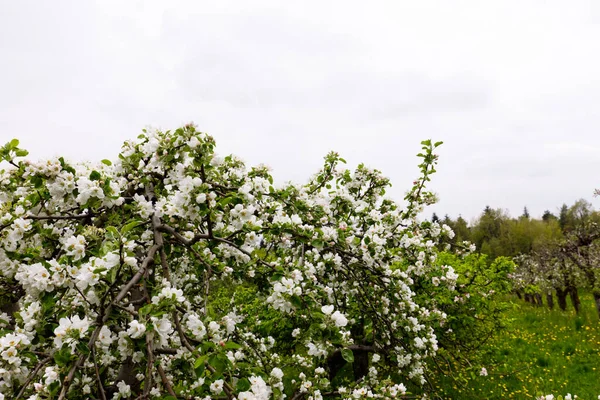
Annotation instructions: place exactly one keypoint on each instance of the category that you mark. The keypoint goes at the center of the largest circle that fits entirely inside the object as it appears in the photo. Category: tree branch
(100, 386)
(32, 375)
(43, 217)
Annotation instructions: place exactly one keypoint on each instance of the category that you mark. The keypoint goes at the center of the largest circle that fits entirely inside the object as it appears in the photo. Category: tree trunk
(360, 366)
(538, 299)
(575, 299)
(561, 296)
(127, 372)
(334, 364)
(597, 300)
(550, 300)
(519, 294)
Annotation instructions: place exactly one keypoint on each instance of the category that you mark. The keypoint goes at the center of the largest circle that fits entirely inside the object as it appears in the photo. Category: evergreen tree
(448, 221)
(563, 217)
(548, 216)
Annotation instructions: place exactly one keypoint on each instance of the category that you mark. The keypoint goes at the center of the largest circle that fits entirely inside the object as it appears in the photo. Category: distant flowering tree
(547, 270)
(174, 273)
(582, 248)
(567, 263)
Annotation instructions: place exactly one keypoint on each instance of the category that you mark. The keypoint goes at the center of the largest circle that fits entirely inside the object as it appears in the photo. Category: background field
(542, 351)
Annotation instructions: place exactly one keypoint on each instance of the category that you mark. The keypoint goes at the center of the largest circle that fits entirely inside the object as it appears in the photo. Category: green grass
(542, 351)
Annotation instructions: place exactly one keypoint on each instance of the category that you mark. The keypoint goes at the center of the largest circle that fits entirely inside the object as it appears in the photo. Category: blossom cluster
(174, 271)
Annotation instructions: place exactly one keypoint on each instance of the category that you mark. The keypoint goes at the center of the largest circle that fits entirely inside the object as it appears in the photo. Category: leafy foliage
(172, 272)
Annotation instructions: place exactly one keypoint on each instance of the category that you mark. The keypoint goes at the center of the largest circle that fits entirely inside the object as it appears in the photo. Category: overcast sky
(511, 87)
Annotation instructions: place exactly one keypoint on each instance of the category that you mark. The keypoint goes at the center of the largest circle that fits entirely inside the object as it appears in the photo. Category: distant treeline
(496, 233)
(555, 255)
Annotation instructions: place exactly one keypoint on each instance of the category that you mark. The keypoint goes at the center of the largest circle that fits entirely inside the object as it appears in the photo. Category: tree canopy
(171, 272)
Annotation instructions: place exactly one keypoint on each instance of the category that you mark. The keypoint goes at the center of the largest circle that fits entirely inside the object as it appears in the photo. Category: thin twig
(149, 347)
(43, 217)
(165, 380)
(31, 376)
(100, 387)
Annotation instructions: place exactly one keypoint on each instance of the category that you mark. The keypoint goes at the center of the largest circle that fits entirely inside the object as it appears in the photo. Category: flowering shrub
(175, 273)
(476, 308)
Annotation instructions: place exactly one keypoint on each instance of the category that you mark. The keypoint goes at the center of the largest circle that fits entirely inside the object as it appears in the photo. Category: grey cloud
(514, 95)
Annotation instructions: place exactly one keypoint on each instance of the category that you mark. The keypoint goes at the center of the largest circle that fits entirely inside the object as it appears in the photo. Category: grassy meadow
(541, 352)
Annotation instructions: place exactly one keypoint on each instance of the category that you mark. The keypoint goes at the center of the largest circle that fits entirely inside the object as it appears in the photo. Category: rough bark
(360, 366)
(574, 294)
(597, 300)
(561, 296)
(550, 300)
(128, 372)
(538, 299)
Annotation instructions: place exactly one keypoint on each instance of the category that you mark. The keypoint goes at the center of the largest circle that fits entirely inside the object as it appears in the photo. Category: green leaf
(206, 346)
(83, 348)
(157, 312)
(129, 227)
(106, 162)
(113, 231)
(277, 276)
(112, 275)
(318, 243)
(66, 167)
(296, 301)
(145, 310)
(218, 363)
(21, 153)
(95, 176)
(226, 200)
(317, 316)
(348, 355)
(242, 385)
(62, 357)
(48, 301)
(200, 361)
(32, 357)
(13, 143)
(37, 181)
(232, 345)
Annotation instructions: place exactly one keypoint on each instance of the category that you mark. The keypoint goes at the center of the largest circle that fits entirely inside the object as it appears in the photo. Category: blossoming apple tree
(177, 274)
